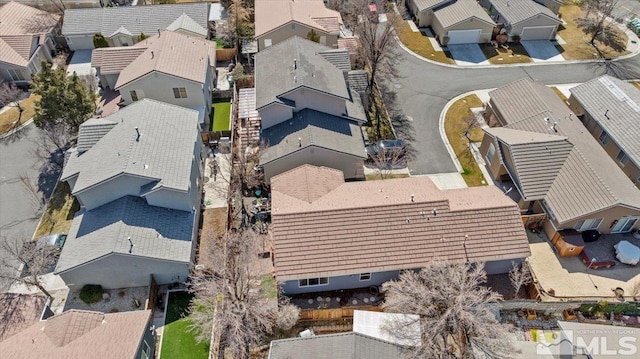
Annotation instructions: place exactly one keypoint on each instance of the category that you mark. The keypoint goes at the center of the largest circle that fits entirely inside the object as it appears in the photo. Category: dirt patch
(514, 54)
(213, 228)
(114, 300)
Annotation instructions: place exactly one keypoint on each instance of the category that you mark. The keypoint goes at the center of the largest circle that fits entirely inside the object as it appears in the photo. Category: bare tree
(519, 275)
(52, 142)
(598, 23)
(37, 199)
(454, 309)
(386, 161)
(229, 297)
(24, 262)
(10, 95)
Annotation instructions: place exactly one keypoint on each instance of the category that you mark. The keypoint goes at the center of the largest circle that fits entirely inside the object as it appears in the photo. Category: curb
(17, 129)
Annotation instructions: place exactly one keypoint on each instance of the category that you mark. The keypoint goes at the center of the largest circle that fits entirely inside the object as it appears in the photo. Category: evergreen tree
(99, 41)
(313, 36)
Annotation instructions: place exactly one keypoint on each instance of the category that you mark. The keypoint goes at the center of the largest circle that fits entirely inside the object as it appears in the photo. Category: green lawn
(177, 341)
(221, 116)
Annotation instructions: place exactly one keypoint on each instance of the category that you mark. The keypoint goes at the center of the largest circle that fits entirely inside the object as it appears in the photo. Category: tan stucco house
(157, 68)
(278, 20)
(524, 18)
(308, 113)
(610, 110)
(454, 22)
(137, 175)
(537, 150)
(26, 39)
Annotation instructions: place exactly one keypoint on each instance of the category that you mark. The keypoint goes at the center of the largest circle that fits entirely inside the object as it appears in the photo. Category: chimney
(138, 134)
(295, 64)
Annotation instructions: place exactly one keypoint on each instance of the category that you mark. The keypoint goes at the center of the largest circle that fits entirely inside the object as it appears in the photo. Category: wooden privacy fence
(334, 313)
(225, 54)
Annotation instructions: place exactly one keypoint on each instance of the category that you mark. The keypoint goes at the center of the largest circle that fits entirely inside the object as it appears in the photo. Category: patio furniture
(627, 253)
(569, 243)
(591, 235)
(595, 264)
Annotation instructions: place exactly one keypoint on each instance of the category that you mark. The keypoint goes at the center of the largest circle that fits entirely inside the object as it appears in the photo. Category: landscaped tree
(63, 100)
(238, 25)
(99, 41)
(231, 298)
(142, 36)
(313, 36)
(454, 308)
(599, 24)
(519, 275)
(24, 262)
(10, 95)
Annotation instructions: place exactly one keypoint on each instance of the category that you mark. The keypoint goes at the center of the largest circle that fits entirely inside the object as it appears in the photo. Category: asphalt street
(423, 89)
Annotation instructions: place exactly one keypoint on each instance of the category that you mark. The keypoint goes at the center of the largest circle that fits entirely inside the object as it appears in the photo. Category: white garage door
(537, 33)
(464, 37)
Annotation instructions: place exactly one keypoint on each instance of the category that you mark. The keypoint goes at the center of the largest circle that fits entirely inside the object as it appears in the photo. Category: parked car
(387, 148)
(56, 240)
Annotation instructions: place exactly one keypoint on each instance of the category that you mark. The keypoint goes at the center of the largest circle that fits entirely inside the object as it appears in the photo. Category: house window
(311, 282)
(604, 138)
(491, 152)
(146, 351)
(134, 95)
(365, 276)
(16, 75)
(180, 92)
(622, 158)
(587, 224)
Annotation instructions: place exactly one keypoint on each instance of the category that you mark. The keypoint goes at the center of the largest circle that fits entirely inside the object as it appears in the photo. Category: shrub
(99, 41)
(91, 293)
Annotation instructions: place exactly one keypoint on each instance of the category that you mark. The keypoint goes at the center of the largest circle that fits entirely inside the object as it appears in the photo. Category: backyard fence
(540, 306)
(225, 54)
(334, 313)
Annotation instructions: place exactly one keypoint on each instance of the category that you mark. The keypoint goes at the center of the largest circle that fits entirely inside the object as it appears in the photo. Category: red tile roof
(373, 226)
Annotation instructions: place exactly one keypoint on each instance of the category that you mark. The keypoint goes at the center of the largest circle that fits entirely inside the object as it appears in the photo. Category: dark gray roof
(164, 151)
(338, 57)
(516, 11)
(156, 232)
(293, 63)
(136, 19)
(358, 80)
(92, 131)
(615, 105)
(335, 346)
(313, 128)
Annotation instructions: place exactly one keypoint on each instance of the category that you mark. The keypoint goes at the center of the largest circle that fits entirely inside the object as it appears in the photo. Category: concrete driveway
(468, 55)
(542, 51)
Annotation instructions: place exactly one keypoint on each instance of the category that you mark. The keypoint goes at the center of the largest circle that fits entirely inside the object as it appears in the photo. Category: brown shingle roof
(19, 311)
(112, 60)
(271, 14)
(375, 226)
(589, 181)
(80, 334)
(165, 53)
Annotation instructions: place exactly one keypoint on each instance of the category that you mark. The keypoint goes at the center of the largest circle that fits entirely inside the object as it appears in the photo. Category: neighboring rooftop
(461, 10)
(91, 131)
(19, 311)
(615, 105)
(376, 226)
(155, 232)
(112, 60)
(20, 26)
(335, 346)
(428, 4)
(163, 152)
(185, 23)
(272, 14)
(589, 180)
(80, 334)
(165, 53)
(136, 19)
(312, 128)
(379, 324)
(293, 63)
(516, 11)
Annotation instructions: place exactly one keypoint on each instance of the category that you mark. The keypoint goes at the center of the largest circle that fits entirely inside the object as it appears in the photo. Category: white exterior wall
(170, 198)
(350, 165)
(122, 40)
(160, 87)
(80, 42)
(111, 190)
(274, 114)
(537, 21)
(308, 98)
(123, 271)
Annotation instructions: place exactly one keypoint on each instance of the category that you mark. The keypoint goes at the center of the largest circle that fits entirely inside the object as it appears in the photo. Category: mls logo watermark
(615, 342)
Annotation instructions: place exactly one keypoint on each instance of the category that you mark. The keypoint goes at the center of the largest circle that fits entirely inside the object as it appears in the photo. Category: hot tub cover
(627, 253)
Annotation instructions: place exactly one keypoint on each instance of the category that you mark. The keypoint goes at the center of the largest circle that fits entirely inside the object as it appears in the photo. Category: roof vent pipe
(295, 64)
(151, 53)
(138, 134)
(606, 114)
(299, 142)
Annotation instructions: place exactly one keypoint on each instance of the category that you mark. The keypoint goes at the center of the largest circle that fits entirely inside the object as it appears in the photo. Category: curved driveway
(423, 89)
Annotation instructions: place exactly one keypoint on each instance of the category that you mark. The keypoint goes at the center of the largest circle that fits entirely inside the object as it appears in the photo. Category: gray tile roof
(516, 11)
(247, 103)
(164, 151)
(276, 73)
(156, 232)
(358, 80)
(338, 57)
(461, 10)
(428, 4)
(136, 19)
(335, 346)
(534, 158)
(313, 128)
(354, 108)
(92, 131)
(184, 22)
(590, 180)
(615, 105)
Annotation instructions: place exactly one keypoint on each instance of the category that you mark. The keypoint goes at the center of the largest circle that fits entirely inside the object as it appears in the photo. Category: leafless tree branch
(24, 262)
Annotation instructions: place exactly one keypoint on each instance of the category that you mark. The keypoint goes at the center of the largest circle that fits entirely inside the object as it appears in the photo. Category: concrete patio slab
(81, 64)
(448, 180)
(542, 51)
(468, 55)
